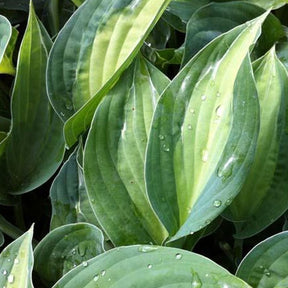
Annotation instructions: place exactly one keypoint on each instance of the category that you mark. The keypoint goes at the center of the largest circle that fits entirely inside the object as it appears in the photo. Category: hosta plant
(143, 143)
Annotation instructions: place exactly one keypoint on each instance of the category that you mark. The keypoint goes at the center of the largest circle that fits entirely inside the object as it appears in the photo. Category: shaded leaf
(114, 157)
(66, 247)
(69, 197)
(16, 263)
(202, 134)
(265, 188)
(98, 42)
(149, 266)
(266, 264)
(34, 147)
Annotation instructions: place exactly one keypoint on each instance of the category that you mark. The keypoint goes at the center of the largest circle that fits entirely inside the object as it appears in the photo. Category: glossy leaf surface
(66, 247)
(69, 197)
(196, 142)
(214, 19)
(98, 42)
(266, 264)
(16, 263)
(149, 266)
(34, 146)
(265, 187)
(114, 157)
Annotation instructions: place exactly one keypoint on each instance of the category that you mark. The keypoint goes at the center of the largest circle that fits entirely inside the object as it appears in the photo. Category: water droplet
(207, 222)
(10, 278)
(218, 94)
(219, 111)
(228, 201)
(73, 251)
(196, 283)
(261, 267)
(4, 272)
(161, 137)
(166, 148)
(109, 279)
(189, 127)
(205, 155)
(103, 272)
(8, 260)
(96, 277)
(149, 266)
(62, 114)
(203, 97)
(226, 170)
(192, 111)
(178, 256)
(217, 203)
(85, 264)
(16, 261)
(191, 232)
(149, 44)
(267, 272)
(82, 249)
(147, 248)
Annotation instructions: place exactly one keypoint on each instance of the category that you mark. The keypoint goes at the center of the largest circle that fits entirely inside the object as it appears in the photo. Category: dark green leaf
(66, 247)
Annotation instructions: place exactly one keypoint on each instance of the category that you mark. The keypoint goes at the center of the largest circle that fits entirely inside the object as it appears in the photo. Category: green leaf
(66, 247)
(216, 18)
(265, 188)
(69, 197)
(149, 266)
(8, 37)
(35, 145)
(270, 4)
(196, 143)
(2, 240)
(78, 2)
(266, 264)
(98, 42)
(16, 263)
(114, 157)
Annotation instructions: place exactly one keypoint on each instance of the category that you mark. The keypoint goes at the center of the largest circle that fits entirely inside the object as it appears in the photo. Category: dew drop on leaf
(218, 94)
(149, 266)
(10, 278)
(219, 111)
(267, 272)
(103, 272)
(85, 264)
(147, 248)
(205, 155)
(178, 256)
(189, 127)
(96, 277)
(217, 203)
(16, 261)
(203, 97)
(161, 137)
(4, 272)
(192, 111)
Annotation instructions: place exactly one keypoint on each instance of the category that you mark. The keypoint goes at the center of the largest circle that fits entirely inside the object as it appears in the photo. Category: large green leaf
(263, 197)
(8, 37)
(265, 265)
(66, 247)
(149, 266)
(69, 197)
(214, 19)
(114, 157)
(92, 50)
(34, 147)
(204, 133)
(16, 263)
